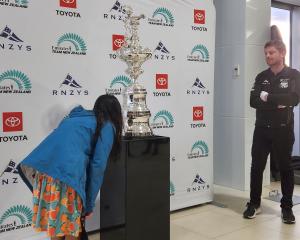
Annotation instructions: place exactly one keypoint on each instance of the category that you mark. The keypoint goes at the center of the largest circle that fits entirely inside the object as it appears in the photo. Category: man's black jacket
(283, 89)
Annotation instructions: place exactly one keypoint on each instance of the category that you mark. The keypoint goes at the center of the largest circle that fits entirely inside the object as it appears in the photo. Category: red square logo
(68, 3)
(12, 121)
(198, 113)
(199, 16)
(117, 41)
(162, 81)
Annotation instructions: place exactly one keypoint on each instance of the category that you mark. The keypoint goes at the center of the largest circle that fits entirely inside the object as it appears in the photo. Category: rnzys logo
(198, 185)
(10, 41)
(116, 13)
(198, 88)
(162, 53)
(70, 87)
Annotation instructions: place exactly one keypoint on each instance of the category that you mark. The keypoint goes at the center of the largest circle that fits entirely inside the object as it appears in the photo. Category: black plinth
(135, 196)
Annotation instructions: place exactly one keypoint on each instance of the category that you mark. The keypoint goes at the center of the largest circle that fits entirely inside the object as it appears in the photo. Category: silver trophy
(135, 111)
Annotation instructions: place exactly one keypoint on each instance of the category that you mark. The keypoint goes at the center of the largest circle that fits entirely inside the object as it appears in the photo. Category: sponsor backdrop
(61, 53)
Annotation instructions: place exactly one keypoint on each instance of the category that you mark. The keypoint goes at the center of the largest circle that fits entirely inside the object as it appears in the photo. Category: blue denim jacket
(65, 154)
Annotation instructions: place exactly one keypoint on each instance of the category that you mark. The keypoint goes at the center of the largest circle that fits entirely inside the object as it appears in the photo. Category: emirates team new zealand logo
(199, 150)
(172, 189)
(162, 17)
(70, 43)
(199, 54)
(163, 119)
(16, 217)
(117, 84)
(14, 81)
(15, 3)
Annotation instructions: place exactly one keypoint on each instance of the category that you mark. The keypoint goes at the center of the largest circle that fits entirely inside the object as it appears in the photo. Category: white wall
(239, 41)
(229, 112)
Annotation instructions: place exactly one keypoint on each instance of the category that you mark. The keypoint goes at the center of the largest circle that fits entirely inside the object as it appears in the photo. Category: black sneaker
(251, 211)
(287, 216)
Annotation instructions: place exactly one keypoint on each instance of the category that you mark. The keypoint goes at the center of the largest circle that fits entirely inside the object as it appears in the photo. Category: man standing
(275, 93)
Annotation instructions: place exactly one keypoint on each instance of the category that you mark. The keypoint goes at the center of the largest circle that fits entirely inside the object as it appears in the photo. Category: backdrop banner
(59, 54)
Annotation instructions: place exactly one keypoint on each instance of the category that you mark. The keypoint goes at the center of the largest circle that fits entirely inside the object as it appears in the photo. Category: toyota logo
(68, 1)
(118, 42)
(199, 16)
(12, 122)
(198, 113)
(161, 81)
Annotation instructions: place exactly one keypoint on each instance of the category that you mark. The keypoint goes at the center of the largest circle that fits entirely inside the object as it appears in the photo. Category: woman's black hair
(108, 108)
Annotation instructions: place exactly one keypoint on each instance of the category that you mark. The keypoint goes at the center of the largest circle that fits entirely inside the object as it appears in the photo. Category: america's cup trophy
(135, 111)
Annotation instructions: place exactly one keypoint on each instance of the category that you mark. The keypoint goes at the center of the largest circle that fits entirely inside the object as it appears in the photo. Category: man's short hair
(278, 44)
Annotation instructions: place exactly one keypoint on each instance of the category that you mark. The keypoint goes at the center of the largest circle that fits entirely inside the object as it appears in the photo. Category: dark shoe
(287, 216)
(251, 211)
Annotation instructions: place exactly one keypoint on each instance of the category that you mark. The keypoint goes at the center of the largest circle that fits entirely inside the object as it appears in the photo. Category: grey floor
(212, 222)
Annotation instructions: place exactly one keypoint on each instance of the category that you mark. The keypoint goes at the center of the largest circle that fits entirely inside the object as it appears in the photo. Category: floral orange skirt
(57, 207)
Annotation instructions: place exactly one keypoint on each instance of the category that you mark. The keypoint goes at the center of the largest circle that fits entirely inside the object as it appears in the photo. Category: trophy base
(138, 129)
(132, 134)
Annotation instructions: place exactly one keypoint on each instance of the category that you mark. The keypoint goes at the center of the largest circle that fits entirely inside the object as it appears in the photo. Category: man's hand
(264, 96)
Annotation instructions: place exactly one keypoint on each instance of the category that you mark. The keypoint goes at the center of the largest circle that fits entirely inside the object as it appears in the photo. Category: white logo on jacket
(266, 82)
(284, 83)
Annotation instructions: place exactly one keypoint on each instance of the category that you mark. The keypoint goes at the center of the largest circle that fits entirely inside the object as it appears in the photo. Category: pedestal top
(146, 138)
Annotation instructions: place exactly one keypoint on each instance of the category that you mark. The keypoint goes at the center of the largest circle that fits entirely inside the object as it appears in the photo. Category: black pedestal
(135, 197)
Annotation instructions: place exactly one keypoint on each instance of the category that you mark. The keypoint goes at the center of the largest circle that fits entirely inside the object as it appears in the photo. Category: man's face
(274, 56)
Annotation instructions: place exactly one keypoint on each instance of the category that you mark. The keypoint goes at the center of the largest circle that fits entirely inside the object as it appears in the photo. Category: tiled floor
(212, 221)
